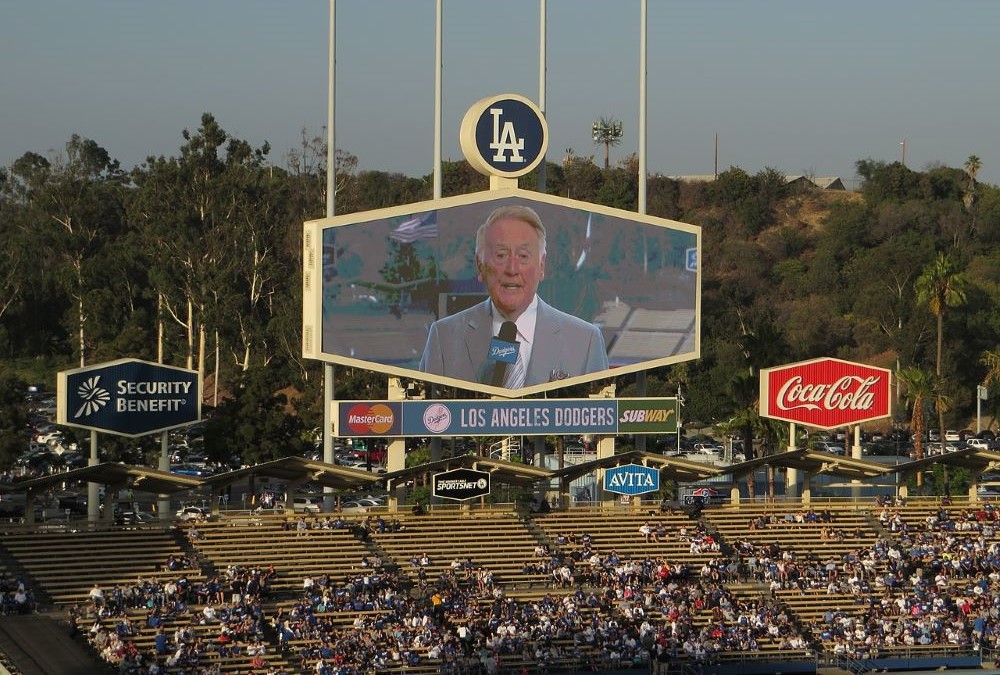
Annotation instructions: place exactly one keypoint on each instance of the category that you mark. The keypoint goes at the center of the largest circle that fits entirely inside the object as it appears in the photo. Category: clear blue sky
(804, 87)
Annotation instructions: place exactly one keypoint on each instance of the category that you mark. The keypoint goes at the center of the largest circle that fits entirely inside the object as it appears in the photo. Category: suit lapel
(543, 346)
(477, 339)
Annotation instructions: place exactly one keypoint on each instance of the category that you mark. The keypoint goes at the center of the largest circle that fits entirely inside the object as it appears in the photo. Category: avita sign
(826, 393)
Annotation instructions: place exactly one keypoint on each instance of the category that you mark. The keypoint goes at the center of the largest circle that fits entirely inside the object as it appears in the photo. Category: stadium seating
(787, 562)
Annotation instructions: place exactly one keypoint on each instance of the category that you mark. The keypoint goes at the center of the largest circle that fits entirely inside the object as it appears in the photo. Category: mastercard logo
(370, 419)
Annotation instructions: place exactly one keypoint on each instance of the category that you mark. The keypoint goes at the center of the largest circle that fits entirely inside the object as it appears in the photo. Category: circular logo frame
(437, 418)
(505, 135)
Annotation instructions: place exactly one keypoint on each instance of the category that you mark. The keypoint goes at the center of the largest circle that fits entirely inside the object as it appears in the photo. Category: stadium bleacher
(727, 589)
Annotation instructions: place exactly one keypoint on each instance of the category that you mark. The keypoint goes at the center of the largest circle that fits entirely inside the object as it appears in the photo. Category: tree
(13, 420)
(972, 166)
(941, 286)
(991, 359)
(257, 423)
(74, 213)
(919, 387)
(607, 131)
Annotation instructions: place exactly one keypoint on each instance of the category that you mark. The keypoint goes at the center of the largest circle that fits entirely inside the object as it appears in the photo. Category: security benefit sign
(128, 397)
(631, 479)
(461, 484)
(527, 417)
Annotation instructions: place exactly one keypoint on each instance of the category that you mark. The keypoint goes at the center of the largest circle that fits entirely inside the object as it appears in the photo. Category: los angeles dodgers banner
(505, 418)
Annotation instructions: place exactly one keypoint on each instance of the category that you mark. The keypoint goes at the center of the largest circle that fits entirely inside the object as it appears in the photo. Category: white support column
(807, 487)
(856, 454)
(163, 500)
(791, 473)
(396, 454)
(93, 489)
(605, 448)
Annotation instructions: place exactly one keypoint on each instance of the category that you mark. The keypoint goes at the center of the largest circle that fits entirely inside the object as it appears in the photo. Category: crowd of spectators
(16, 596)
(228, 606)
(932, 581)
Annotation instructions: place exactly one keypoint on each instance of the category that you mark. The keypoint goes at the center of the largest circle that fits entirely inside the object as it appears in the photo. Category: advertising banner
(460, 484)
(482, 417)
(826, 393)
(631, 479)
(128, 397)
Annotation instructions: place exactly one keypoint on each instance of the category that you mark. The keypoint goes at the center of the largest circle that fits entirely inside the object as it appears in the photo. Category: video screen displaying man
(513, 339)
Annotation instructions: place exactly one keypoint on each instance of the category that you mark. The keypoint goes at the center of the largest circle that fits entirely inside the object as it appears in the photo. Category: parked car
(307, 504)
(76, 505)
(978, 443)
(195, 470)
(134, 518)
(829, 446)
(952, 436)
(187, 513)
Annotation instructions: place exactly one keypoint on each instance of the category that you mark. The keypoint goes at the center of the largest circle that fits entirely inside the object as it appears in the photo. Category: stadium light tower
(607, 131)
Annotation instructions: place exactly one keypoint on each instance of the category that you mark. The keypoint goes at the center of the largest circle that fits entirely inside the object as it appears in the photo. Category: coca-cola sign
(826, 393)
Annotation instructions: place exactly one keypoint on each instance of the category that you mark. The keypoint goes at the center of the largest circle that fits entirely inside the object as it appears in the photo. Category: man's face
(511, 266)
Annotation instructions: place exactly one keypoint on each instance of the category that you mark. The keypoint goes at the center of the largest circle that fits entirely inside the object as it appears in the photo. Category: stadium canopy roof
(137, 478)
(299, 470)
(976, 461)
(814, 462)
(671, 468)
(509, 473)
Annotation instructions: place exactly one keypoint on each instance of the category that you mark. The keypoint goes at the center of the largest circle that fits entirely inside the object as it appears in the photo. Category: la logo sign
(826, 393)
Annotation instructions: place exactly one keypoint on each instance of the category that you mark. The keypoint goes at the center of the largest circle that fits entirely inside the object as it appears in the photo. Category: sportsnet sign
(461, 484)
(128, 397)
(826, 393)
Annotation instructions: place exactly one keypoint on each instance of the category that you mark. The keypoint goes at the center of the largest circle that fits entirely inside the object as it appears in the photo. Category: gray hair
(525, 214)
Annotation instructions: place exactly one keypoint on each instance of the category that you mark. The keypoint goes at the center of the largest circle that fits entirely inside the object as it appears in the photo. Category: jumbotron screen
(462, 291)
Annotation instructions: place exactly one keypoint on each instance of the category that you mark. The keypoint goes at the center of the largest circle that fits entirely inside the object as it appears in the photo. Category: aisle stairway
(38, 645)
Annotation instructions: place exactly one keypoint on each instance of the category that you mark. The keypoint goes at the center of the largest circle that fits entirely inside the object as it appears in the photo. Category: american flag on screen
(423, 226)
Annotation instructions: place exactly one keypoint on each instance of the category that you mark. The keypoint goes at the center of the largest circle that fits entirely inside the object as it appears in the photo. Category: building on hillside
(821, 182)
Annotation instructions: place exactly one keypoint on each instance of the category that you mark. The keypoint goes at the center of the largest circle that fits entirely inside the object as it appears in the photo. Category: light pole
(982, 393)
(902, 151)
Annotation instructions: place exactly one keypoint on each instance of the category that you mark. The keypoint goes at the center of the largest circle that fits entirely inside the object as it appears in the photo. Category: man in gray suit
(553, 345)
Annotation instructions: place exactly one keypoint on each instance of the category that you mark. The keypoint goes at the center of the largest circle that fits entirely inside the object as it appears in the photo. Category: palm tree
(920, 386)
(941, 286)
(607, 131)
(972, 166)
